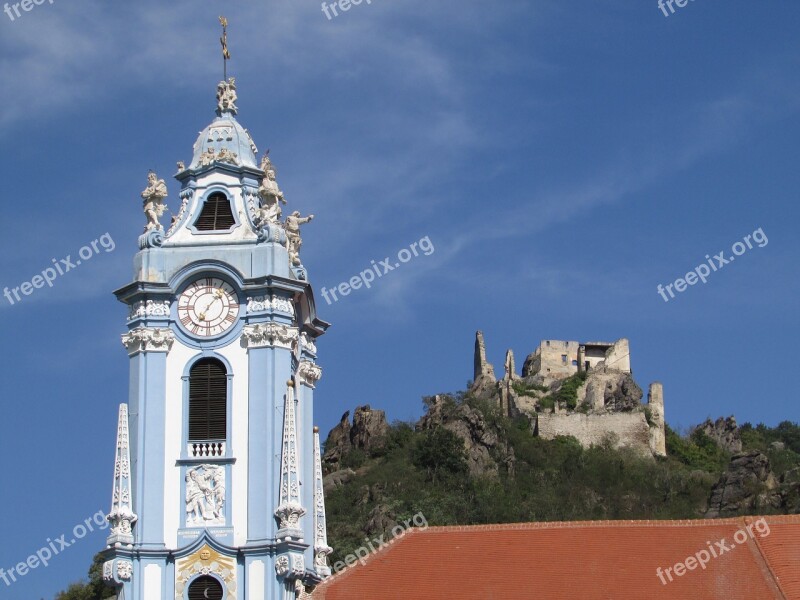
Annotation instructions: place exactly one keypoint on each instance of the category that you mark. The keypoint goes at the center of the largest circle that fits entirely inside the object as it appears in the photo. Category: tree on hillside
(440, 453)
(94, 589)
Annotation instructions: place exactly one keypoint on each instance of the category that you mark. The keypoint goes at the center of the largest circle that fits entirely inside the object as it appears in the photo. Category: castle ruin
(580, 389)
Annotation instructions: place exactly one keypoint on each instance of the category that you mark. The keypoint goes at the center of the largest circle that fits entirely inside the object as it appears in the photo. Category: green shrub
(354, 459)
(440, 453)
(528, 389)
(761, 436)
(547, 403)
(567, 394)
(699, 451)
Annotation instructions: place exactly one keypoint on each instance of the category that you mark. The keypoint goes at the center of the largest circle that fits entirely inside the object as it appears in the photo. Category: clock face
(208, 307)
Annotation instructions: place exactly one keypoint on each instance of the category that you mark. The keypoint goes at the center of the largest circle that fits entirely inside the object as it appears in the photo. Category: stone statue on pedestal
(292, 226)
(270, 193)
(153, 197)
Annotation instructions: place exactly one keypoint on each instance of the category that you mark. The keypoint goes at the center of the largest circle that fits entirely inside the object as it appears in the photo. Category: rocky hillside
(467, 462)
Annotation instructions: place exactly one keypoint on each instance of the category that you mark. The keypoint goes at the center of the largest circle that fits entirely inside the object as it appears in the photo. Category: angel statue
(153, 197)
(270, 193)
(292, 226)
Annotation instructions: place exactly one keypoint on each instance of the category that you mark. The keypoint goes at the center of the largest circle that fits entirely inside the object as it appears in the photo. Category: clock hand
(212, 303)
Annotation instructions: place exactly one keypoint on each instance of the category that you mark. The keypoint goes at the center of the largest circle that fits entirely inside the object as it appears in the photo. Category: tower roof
(225, 133)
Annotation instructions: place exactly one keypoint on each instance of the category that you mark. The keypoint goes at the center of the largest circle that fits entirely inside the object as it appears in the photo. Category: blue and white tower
(217, 485)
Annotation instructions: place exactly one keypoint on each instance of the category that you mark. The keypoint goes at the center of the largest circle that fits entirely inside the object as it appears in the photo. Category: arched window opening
(216, 214)
(205, 588)
(208, 400)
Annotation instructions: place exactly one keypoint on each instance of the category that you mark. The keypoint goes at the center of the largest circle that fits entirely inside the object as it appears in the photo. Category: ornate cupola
(217, 483)
(225, 197)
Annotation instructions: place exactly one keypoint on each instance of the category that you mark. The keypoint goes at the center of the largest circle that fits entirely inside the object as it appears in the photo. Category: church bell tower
(217, 489)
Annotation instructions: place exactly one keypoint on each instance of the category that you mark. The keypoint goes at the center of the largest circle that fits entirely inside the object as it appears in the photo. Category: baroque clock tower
(218, 482)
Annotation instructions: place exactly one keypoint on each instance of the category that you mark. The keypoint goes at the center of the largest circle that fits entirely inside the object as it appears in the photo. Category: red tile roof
(602, 560)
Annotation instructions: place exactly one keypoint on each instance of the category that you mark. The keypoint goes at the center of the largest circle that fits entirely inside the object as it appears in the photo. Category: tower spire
(321, 548)
(289, 510)
(122, 516)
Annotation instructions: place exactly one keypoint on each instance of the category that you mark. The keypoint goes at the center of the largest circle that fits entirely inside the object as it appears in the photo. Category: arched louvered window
(208, 400)
(205, 588)
(216, 214)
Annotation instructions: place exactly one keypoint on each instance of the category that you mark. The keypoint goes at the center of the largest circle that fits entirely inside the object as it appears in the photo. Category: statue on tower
(153, 197)
(270, 193)
(292, 226)
(226, 156)
(226, 96)
(207, 158)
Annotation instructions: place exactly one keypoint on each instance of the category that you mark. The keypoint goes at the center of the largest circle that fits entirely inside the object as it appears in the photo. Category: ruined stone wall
(548, 359)
(619, 356)
(592, 354)
(658, 431)
(609, 402)
(627, 429)
(559, 358)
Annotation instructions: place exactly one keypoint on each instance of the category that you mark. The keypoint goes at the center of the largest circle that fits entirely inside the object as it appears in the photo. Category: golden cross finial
(226, 55)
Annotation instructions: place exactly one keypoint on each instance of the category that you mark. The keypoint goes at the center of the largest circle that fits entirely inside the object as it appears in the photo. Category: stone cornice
(269, 335)
(149, 308)
(266, 303)
(148, 339)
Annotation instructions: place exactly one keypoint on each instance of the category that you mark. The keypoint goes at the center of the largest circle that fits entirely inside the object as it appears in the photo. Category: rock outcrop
(615, 391)
(725, 432)
(337, 479)
(368, 433)
(369, 429)
(480, 441)
(790, 491)
(338, 442)
(747, 486)
(380, 521)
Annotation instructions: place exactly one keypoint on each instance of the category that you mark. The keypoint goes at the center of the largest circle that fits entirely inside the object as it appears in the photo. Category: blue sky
(563, 158)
